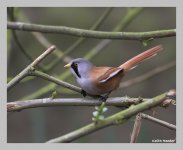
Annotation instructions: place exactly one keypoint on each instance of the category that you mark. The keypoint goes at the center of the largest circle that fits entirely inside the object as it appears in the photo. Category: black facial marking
(74, 66)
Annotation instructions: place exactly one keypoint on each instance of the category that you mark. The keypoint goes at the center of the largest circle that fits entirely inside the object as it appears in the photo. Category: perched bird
(101, 81)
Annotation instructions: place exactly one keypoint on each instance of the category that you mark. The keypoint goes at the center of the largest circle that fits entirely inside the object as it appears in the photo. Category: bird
(101, 81)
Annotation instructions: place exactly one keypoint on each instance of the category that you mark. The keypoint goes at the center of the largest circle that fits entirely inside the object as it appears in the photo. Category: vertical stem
(136, 128)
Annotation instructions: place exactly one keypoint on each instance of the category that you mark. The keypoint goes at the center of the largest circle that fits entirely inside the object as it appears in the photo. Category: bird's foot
(103, 98)
(83, 93)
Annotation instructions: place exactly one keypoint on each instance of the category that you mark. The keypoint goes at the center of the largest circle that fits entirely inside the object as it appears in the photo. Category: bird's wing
(103, 74)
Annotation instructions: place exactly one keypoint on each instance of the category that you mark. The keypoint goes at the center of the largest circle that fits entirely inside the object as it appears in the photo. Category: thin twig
(118, 118)
(54, 80)
(90, 33)
(158, 121)
(136, 128)
(24, 72)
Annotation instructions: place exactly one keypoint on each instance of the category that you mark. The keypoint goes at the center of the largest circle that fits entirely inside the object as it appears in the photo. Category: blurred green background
(42, 124)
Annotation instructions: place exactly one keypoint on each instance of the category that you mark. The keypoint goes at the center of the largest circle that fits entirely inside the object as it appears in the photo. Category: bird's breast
(88, 86)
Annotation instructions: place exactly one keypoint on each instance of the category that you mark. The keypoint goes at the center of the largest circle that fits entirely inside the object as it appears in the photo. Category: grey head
(80, 67)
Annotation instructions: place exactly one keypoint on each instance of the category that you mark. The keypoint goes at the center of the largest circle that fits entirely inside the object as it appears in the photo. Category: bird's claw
(83, 93)
(103, 98)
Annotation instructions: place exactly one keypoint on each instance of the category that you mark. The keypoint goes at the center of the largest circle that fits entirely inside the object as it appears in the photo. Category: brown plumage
(140, 58)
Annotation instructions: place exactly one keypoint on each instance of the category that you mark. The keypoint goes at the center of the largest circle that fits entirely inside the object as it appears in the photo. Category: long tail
(130, 64)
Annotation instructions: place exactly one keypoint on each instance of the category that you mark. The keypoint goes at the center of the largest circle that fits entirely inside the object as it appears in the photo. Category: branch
(112, 101)
(118, 118)
(158, 121)
(90, 33)
(136, 128)
(24, 72)
(54, 80)
(48, 102)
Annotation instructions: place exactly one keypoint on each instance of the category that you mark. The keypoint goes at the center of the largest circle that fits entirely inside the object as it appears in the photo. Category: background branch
(158, 121)
(90, 33)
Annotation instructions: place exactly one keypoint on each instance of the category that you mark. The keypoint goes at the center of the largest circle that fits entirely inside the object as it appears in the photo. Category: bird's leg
(83, 93)
(103, 98)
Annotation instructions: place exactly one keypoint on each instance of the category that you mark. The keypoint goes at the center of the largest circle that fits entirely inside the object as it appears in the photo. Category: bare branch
(91, 101)
(158, 121)
(24, 72)
(118, 118)
(136, 128)
(90, 33)
(54, 80)
(48, 102)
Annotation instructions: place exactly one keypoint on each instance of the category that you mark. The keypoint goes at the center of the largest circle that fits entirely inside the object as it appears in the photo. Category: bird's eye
(74, 65)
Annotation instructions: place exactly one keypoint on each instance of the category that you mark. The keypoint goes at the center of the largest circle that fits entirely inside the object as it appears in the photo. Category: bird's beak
(67, 66)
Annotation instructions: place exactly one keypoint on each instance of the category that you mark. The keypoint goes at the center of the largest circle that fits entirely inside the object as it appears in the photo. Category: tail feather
(140, 58)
